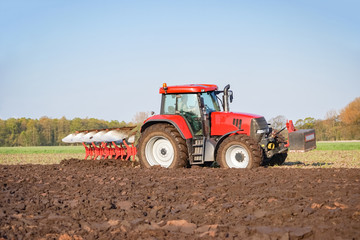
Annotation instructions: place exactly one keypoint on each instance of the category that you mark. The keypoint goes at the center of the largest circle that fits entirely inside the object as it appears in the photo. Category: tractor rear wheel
(239, 151)
(161, 144)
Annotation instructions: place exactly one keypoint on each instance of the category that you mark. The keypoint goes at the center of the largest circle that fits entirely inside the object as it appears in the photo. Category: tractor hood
(225, 122)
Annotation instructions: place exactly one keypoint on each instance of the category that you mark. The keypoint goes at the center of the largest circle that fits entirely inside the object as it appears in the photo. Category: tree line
(46, 131)
(343, 125)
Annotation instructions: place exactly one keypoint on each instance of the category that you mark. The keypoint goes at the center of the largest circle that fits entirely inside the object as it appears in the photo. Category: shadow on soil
(298, 163)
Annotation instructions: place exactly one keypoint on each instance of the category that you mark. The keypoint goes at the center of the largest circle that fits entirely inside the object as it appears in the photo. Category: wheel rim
(159, 151)
(237, 157)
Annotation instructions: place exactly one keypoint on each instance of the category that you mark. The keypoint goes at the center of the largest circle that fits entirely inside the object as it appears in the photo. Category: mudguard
(176, 120)
(223, 137)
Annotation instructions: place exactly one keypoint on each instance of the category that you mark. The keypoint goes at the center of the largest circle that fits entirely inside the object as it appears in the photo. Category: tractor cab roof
(189, 88)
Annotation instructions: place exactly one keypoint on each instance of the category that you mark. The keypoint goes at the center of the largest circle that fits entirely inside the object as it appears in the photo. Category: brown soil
(110, 199)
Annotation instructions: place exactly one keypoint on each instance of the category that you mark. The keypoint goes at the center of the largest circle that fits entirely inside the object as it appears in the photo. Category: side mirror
(231, 96)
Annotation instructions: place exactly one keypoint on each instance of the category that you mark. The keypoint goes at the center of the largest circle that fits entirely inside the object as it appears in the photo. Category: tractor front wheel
(277, 159)
(239, 151)
(161, 144)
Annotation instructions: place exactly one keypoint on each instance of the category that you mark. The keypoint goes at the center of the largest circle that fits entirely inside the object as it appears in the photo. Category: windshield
(210, 102)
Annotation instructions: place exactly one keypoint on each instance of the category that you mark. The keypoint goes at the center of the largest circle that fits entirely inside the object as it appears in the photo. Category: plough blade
(88, 137)
(106, 143)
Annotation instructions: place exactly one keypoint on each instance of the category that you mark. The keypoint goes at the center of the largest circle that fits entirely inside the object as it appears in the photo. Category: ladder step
(197, 145)
(197, 154)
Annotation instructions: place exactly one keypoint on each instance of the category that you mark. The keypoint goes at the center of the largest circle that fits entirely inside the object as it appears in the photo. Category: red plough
(106, 143)
(106, 150)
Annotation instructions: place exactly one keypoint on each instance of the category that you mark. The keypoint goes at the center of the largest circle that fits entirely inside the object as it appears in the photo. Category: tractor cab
(193, 106)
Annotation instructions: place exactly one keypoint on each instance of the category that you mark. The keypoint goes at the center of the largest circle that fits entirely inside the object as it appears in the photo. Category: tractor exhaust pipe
(226, 98)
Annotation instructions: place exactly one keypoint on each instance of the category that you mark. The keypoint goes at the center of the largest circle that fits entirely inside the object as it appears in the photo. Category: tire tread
(181, 158)
(256, 153)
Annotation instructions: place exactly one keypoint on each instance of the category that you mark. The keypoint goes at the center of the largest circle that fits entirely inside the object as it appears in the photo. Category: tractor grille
(258, 124)
(237, 122)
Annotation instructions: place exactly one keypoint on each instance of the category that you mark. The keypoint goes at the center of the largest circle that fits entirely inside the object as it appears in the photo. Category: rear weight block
(302, 140)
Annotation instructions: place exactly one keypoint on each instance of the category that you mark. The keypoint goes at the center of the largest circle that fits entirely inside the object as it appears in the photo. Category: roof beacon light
(165, 87)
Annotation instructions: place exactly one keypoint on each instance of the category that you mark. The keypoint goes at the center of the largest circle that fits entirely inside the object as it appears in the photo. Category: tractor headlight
(260, 131)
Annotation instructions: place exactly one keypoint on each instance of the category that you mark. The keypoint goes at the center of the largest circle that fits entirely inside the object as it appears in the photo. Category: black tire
(277, 159)
(239, 151)
(161, 144)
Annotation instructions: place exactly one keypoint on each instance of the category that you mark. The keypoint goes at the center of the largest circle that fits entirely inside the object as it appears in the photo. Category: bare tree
(140, 117)
(332, 125)
(278, 122)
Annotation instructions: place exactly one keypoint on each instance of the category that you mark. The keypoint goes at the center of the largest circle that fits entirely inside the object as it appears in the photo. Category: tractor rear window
(169, 104)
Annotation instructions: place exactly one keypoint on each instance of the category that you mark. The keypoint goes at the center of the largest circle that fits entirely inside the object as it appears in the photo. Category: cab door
(186, 105)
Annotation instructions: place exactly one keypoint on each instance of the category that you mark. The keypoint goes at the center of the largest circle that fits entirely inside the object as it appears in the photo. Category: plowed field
(109, 199)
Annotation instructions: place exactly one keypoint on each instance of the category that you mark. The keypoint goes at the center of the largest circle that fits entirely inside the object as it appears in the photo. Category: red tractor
(191, 129)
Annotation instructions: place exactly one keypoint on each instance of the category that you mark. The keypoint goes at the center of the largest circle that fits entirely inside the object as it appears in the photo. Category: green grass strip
(37, 150)
(338, 145)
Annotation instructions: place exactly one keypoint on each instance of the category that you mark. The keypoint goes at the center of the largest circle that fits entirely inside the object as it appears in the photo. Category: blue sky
(107, 59)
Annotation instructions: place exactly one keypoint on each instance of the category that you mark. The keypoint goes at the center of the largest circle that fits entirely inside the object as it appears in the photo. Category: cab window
(210, 102)
(186, 105)
(169, 104)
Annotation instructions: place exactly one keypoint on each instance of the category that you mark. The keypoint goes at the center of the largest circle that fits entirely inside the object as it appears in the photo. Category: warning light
(165, 87)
